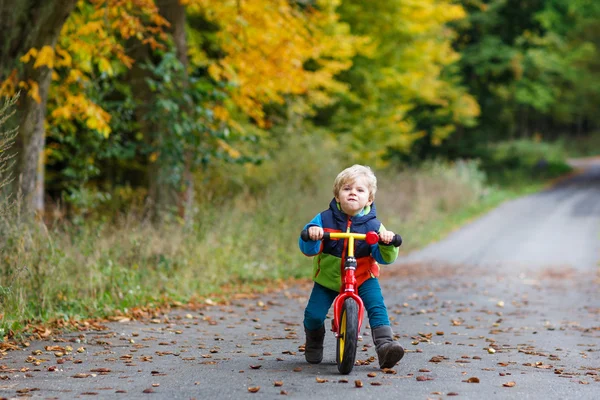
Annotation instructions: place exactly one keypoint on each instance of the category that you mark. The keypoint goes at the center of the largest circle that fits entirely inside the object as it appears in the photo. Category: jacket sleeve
(312, 247)
(384, 254)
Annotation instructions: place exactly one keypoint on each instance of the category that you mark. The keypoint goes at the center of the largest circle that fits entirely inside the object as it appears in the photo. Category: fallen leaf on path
(509, 384)
(358, 383)
(278, 383)
(472, 379)
(254, 389)
(101, 370)
(321, 380)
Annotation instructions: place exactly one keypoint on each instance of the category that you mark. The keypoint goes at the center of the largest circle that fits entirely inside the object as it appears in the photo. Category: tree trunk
(174, 12)
(160, 193)
(27, 24)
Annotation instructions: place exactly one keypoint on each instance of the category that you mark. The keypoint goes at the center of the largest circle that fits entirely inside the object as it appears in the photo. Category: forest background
(157, 152)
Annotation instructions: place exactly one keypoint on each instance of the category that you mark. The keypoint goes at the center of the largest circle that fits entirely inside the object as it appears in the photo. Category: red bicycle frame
(348, 288)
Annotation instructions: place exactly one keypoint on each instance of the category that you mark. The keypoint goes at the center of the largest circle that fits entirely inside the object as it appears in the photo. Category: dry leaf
(101, 370)
(509, 384)
(278, 383)
(472, 379)
(254, 389)
(358, 383)
(321, 380)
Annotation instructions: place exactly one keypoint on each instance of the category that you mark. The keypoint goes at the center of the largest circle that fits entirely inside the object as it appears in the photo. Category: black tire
(348, 336)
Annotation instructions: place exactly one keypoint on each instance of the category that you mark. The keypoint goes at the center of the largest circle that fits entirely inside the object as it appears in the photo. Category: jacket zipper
(344, 255)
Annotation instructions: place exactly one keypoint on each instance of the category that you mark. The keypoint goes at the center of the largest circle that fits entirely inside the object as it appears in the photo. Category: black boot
(313, 351)
(388, 350)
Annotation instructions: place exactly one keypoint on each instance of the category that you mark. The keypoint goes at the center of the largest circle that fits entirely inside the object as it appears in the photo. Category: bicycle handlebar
(396, 241)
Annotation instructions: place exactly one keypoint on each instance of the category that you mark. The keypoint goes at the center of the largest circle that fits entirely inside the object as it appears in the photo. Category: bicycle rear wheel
(347, 340)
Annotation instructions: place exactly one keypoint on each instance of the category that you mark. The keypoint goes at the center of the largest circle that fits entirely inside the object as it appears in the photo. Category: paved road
(507, 307)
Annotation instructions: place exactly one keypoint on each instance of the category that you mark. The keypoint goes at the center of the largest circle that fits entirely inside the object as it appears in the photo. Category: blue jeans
(321, 299)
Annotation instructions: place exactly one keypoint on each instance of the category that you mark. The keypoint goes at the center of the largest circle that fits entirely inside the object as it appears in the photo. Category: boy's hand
(386, 236)
(315, 233)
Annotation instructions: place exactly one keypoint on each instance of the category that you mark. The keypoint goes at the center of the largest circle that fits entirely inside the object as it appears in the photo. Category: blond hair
(352, 173)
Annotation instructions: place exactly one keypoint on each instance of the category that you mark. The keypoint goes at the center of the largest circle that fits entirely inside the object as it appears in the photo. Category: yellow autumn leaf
(34, 91)
(61, 113)
(45, 58)
(27, 56)
(220, 113)
(65, 59)
(104, 66)
(230, 150)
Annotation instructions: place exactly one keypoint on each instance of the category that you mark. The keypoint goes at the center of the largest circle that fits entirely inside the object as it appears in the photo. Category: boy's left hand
(386, 236)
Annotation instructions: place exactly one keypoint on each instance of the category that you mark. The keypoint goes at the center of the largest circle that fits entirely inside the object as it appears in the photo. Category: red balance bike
(348, 308)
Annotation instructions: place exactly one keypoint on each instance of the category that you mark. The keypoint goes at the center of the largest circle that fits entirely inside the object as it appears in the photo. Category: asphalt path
(506, 307)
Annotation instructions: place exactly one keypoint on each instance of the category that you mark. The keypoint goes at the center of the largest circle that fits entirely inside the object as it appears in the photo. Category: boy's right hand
(315, 233)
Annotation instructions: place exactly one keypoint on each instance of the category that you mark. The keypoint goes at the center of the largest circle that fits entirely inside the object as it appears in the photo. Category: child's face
(354, 196)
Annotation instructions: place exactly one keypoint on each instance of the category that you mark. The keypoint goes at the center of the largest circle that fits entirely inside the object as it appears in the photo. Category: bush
(523, 161)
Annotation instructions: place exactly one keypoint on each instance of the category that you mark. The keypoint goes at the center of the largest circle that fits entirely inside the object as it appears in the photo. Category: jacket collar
(357, 219)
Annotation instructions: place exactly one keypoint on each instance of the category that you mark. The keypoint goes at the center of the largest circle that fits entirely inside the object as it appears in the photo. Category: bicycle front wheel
(347, 340)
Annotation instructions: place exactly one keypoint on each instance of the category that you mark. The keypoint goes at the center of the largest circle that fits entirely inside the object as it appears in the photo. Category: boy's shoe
(388, 350)
(313, 351)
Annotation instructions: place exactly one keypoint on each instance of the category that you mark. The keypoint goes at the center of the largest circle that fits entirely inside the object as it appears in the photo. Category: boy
(352, 210)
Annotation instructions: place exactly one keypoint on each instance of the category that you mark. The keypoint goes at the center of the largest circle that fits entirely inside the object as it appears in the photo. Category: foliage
(530, 62)
(272, 48)
(406, 87)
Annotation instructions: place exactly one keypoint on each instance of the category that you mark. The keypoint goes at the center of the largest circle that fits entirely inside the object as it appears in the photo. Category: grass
(245, 232)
